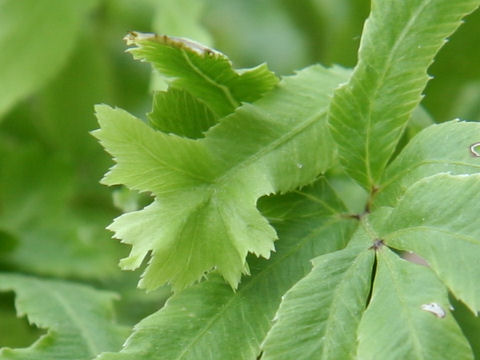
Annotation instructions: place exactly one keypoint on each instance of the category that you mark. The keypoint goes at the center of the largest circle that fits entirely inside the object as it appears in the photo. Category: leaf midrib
(90, 343)
(413, 331)
(263, 272)
(234, 103)
(268, 148)
(336, 300)
(379, 85)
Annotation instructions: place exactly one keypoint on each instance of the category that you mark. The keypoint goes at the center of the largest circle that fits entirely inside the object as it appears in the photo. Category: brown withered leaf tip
(134, 37)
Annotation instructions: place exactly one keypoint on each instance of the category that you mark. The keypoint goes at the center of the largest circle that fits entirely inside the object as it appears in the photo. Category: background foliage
(60, 57)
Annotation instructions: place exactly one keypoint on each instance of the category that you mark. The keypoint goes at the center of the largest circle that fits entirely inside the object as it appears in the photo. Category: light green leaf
(398, 323)
(369, 113)
(178, 112)
(209, 321)
(438, 219)
(323, 309)
(205, 73)
(36, 38)
(205, 215)
(79, 319)
(438, 148)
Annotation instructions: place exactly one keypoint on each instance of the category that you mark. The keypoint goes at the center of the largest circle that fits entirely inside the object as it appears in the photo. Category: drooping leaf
(209, 321)
(205, 73)
(178, 112)
(38, 36)
(79, 319)
(437, 218)
(206, 190)
(408, 316)
(369, 113)
(438, 148)
(323, 310)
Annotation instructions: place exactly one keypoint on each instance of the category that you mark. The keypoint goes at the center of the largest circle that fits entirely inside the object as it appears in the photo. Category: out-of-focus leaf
(57, 234)
(181, 18)
(456, 75)
(79, 319)
(36, 37)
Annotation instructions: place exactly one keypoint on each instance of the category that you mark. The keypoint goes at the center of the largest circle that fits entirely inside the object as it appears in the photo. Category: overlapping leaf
(206, 74)
(177, 112)
(209, 321)
(438, 148)
(438, 219)
(323, 309)
(205, 215)
(395, 326)
(369, 113)
(79, 319)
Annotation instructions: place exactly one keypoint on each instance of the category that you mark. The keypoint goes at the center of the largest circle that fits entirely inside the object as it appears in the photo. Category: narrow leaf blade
(323, 310)
(369, 113)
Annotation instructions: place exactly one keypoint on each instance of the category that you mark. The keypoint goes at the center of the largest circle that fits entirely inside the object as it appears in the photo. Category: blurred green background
(60, 57)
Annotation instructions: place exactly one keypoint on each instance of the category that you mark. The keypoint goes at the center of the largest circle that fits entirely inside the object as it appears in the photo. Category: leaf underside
(204, 215)
(209, 175)
(209, 321)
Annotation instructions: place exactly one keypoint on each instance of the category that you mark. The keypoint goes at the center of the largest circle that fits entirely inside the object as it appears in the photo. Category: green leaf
(437, 218)
(56, 234)
(438, 148)
(323, 309)
(396, 324)
(178, 112)
(209, 321)
(205, 73)
(79, 319)
(36, 38)
(469, 324)
(205, 214)
(370, 112)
